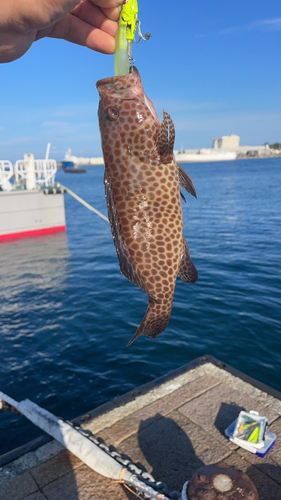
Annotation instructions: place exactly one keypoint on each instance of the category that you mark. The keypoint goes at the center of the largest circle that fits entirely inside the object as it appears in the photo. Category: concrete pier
(169, 427)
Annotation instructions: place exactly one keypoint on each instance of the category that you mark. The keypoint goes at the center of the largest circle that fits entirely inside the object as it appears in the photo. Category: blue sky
(214, 66)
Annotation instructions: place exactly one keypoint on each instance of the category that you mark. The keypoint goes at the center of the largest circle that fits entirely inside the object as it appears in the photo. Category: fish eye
(111, 114)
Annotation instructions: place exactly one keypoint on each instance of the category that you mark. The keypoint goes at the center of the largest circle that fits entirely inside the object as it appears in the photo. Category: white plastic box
(249, 431)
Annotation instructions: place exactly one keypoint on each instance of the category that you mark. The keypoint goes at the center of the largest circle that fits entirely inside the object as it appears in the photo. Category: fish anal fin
(126, 261)
(187, 270)
(186, 182)
(166, 136)
(155, 320)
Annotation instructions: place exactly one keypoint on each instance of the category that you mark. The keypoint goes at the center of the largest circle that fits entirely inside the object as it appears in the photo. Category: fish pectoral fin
(186, 182)
(182, 196)
(187, 270)
(166, 135)
(126, 261)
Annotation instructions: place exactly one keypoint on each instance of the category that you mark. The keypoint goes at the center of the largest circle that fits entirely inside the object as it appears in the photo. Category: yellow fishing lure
(125, 36)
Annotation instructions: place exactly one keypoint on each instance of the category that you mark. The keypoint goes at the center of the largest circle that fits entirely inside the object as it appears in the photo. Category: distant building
(226, 142)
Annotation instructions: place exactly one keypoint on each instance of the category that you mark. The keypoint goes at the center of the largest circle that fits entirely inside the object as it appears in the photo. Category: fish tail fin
(155, 320)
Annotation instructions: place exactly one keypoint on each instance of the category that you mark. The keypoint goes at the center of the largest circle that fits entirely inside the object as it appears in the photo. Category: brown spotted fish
(142, 188)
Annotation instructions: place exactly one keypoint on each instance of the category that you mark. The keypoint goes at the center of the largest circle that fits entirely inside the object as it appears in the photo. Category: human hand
(92, 23)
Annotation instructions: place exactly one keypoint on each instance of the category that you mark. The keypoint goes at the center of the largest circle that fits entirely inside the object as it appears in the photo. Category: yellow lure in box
(254, 437)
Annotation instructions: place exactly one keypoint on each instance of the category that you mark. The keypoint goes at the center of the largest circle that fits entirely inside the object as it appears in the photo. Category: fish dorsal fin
(187, 270)
(126, 261)
(185, 181)
(166, 135)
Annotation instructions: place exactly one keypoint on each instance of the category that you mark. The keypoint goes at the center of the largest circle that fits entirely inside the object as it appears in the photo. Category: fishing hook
(141, 37)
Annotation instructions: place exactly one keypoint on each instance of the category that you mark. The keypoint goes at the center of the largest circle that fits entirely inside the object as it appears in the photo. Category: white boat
(31, 204)
(205, 155)
(81, 160)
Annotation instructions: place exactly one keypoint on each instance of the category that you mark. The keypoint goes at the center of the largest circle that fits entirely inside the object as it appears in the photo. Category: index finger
(111, 8)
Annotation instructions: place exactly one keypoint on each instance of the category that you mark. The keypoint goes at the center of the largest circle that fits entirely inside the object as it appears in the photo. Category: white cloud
(59, 129)
(16, 140)
(64, 113)
(26, 114)
(262, 24)
(55, 124)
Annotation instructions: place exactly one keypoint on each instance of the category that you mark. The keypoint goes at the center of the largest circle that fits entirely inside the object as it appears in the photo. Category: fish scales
(142, 187)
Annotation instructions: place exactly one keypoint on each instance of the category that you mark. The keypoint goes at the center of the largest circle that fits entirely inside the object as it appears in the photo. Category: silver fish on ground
(142, 187)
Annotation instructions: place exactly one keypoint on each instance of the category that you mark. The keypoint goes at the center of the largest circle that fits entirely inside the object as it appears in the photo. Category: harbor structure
(186, 156)
(203, 155)
(231, 143)
(228, 142)
(225, 148)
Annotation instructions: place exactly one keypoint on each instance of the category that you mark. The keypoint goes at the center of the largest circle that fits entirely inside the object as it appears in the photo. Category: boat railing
(44, 170)
(6, 173)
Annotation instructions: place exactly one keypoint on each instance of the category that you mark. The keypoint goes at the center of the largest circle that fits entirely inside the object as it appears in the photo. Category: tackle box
(249, 431)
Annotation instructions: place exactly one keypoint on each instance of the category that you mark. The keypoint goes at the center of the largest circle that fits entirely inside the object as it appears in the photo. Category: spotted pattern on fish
(143, 196)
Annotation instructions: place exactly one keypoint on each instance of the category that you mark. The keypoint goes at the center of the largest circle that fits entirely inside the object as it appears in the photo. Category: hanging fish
(142, 189)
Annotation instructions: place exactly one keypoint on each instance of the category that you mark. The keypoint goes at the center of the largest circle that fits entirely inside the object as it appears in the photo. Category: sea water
(67, 313)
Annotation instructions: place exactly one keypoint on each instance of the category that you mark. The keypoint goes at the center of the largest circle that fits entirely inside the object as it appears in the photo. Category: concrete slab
(219, 407)
(85, 484)
(171, 448)
(128, 425)
(169, 428)
(18, 487)
(36, 496)
(55, 467)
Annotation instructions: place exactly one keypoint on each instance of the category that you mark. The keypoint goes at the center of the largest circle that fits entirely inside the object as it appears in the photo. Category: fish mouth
(125, 87)
(134, 71)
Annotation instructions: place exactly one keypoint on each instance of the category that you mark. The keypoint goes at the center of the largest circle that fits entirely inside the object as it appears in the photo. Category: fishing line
(83, 202)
